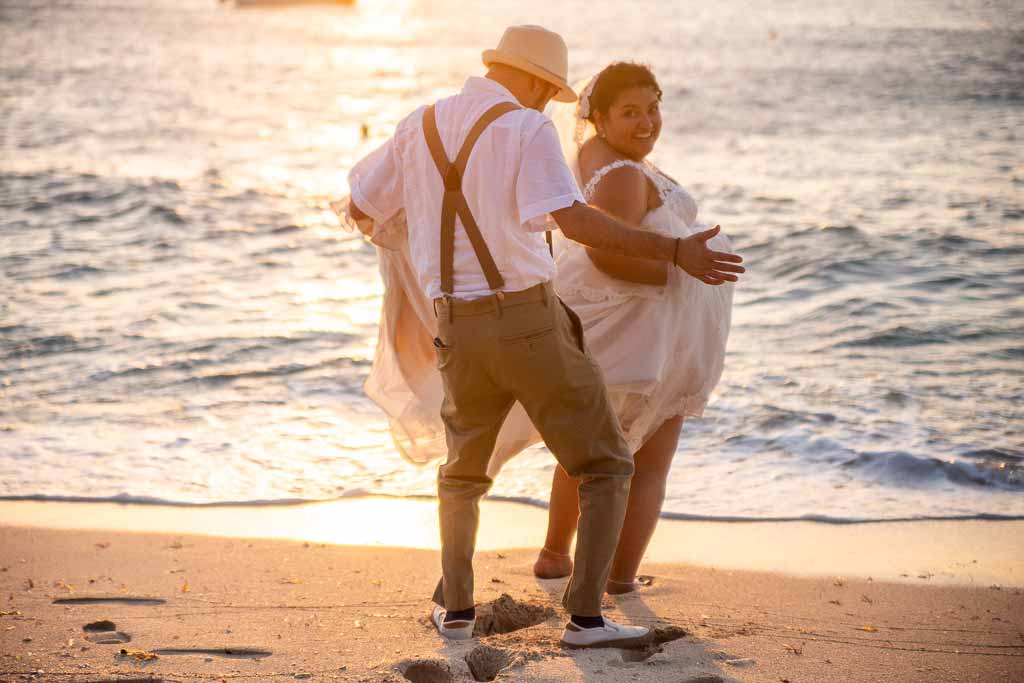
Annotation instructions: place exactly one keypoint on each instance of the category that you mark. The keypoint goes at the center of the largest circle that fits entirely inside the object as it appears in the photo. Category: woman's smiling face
(633, 122)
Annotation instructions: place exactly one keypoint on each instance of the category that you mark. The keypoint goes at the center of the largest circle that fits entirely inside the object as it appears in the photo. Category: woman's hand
(711, 267)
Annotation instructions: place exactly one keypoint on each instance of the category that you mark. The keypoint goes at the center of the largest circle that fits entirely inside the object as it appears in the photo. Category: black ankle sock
(461, 615)
(587, 622)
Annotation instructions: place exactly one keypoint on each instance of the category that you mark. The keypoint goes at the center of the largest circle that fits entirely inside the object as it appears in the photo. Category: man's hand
(363, 222)
(708, 266)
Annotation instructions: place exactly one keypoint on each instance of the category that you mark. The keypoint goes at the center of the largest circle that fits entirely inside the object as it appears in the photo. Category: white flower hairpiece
(585, 98)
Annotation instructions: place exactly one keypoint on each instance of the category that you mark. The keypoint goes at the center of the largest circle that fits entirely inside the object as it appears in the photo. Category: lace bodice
(579, 279)
(678, 200)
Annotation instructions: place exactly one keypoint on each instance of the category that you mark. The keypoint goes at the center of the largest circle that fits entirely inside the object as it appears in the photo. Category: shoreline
(975, 552)
(528, 502)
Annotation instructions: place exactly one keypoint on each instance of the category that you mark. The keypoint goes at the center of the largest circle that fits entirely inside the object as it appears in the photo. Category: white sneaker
(609, 635)
(453, 630)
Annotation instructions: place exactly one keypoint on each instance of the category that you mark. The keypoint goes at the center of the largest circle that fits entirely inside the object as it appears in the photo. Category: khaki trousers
(528, 347)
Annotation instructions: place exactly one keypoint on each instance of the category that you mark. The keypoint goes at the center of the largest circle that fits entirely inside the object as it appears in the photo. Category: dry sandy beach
(231, 603)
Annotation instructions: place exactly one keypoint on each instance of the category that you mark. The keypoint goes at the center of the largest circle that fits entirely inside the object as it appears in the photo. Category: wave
(73, 272)
(53, 188)
(903, 336)
(903, 469)
(46, 345)
(282, 370)
(359, 494)
(226, 376)
(1001, 454)
(898, 336)
(778, 418)
(166, 213)
(854, 307)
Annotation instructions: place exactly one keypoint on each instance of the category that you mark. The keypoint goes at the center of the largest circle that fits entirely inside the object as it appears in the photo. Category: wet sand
(972, 552)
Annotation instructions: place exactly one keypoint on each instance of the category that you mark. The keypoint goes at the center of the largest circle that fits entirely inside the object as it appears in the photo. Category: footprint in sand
(230, 652)
(109, 600)
(643, 654)
(486, 662)
(506, 614)
(104, 625)
(650, 645)
(659, 635)
(109, 638)
(697, 678)
(105, 633)
(426, 671)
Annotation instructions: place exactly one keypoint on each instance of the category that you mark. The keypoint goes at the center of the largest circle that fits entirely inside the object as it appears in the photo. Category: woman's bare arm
(624, 194)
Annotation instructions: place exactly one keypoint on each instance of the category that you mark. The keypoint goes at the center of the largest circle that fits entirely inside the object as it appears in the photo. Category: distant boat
(287, 3)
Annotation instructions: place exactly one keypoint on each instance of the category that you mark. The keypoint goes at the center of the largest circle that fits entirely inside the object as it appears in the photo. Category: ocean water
(181, 320)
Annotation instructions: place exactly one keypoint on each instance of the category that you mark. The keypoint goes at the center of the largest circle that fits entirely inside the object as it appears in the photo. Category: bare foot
(552, 565)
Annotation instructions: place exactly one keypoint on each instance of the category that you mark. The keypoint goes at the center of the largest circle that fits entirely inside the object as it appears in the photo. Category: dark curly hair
(615, 78)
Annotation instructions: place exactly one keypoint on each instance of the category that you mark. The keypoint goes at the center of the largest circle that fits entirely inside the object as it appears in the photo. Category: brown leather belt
(451, 307)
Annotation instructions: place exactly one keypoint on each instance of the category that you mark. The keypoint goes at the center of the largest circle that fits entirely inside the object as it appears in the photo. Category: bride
(658, 334)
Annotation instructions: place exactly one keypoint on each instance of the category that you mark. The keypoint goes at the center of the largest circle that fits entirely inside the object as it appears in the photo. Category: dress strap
(661, 183)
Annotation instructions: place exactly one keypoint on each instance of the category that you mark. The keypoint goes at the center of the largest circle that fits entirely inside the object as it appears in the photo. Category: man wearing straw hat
(480, 175)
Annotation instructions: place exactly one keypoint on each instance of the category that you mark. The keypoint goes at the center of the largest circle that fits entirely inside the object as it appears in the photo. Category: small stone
(741, 663)
(303, 675)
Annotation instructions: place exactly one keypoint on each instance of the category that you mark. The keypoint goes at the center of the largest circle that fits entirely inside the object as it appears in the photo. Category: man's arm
(376, 184)
(360, 218)
(594, 228)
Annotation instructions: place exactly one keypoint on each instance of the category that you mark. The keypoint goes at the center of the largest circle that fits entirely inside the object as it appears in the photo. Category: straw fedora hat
(536, 51)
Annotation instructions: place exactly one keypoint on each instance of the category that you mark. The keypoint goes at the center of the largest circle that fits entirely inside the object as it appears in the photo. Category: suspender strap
(454, 202)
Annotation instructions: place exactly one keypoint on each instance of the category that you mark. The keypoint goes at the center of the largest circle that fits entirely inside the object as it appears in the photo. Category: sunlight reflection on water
(182, 318)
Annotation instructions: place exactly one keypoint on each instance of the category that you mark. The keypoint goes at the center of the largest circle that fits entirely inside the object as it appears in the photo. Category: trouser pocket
(577, 326)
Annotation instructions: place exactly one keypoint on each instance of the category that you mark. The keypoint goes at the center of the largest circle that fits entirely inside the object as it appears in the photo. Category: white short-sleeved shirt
(515, 177)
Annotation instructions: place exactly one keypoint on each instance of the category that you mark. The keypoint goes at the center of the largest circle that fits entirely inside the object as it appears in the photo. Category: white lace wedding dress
(662, 348)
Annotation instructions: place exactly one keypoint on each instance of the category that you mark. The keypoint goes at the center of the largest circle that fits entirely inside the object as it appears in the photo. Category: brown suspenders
(454, 202)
